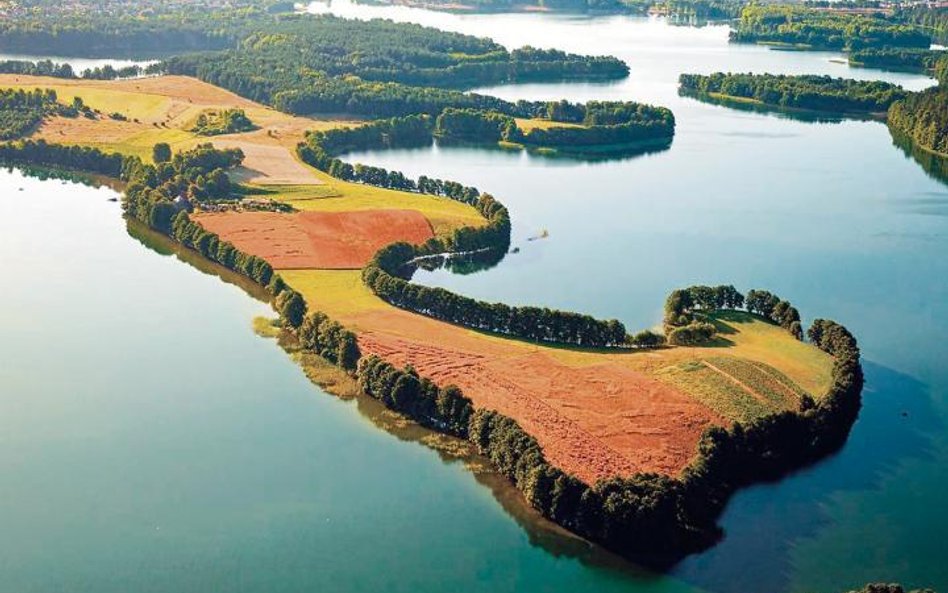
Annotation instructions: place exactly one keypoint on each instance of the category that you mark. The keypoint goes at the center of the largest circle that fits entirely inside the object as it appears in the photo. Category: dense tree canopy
(797, 25)
(822, 93)
(932, 18)
(923, 117)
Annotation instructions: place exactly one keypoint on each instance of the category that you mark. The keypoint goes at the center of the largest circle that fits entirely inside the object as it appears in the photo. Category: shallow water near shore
(151, 442)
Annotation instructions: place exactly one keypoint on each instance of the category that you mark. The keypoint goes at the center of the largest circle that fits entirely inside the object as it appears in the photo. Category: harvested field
(332, 240)
(269, 164)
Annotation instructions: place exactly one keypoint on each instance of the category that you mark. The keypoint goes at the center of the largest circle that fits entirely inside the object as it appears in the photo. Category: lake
(152, 442)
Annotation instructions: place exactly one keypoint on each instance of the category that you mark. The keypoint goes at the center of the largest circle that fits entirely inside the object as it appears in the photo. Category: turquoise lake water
(150, 441)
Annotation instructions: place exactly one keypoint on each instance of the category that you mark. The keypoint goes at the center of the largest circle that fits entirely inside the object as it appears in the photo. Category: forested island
(563, 127)
(923, 117)
(811, 92)
(806, 28)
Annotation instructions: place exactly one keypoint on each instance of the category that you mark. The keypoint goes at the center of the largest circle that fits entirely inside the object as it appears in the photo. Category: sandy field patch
(331, 240)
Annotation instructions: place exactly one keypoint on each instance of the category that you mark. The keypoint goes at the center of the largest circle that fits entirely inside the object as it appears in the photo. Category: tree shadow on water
(763, 524)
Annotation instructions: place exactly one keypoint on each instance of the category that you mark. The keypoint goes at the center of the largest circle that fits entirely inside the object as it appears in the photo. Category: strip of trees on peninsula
(818, 93)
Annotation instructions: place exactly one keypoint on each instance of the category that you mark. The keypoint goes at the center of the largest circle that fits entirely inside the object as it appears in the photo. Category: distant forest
(796, 25)
(823, 93)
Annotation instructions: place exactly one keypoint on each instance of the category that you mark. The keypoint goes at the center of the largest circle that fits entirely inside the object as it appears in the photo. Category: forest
(821, 93)
(797, 25)
(226, 121)
(923, 117)
(377, 68)
(56, 70)
(933, 19)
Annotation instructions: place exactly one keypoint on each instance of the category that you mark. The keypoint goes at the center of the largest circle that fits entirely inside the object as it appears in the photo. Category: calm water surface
(149, 441)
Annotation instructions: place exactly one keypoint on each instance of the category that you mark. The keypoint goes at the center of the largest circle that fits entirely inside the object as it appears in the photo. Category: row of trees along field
(600, 123)
(932, 18)
(798, 25)
(685, 326)
(822, 93)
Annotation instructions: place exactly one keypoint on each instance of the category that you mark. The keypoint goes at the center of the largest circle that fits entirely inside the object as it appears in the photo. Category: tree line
(822, 93)
(684, 326)
(798, 25)
(923, 117)
(80, 158)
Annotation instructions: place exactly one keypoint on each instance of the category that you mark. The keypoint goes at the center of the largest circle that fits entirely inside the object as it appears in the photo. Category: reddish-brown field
(592, 421)
(327, 240)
